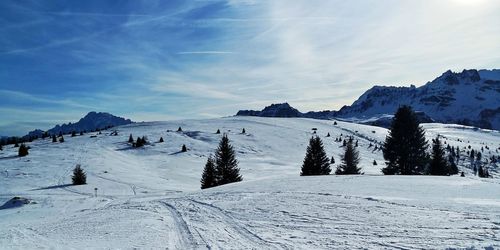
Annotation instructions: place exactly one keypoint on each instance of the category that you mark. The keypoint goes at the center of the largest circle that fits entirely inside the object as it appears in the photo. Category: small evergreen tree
(243, 131)
(335, 123)
(1, 147)
(184, 148)
(130, 139)
(23, 150)
(405, 147)
(79, 177)
(315, 162)
(350, 160)
(209, 177)
(328, 135)
(332, 160)
(81, 132)
(226, 164)
(61, 139)
(218, 131)
(161, 139)
(16, 145)
(54, 138)
(179, 129)
(374, 163)
(73, 133)
(439, 165)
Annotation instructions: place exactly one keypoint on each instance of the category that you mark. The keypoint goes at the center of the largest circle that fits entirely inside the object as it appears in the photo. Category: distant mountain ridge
(90, 122)
(470, 97)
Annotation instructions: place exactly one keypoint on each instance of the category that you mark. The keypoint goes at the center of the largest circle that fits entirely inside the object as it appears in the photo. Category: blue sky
(160, 60)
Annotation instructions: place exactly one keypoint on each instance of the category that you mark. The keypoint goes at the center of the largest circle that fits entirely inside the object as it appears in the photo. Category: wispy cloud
(204, 52)
(188, 59)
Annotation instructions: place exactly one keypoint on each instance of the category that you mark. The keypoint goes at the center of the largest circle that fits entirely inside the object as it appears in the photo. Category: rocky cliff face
(469, 97)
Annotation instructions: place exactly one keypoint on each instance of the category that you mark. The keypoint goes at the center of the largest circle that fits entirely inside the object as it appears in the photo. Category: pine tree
(73, 133)
(218, 131)
(179, 129)
(335, 123)
(243, 131)
(79, 177)
(332, 160)
(81, 132)
(350, 160)
(23, 150)
(16, 145)
(374, 163)
(61, 139)
(405, 147)
(328, 135)
(184, 148)
(54, 138)
(1, 147)
(130, 139)
(226, 164)
(209, 177)
(315, 162)
(161, 139)
(439, 165)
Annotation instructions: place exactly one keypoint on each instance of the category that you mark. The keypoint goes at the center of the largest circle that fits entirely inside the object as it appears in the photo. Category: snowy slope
(150, 197)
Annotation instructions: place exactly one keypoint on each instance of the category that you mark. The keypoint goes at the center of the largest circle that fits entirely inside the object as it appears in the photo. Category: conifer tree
(374, 163)
(218, 131)
(328, 135)
(243, 131)
(79, 177)
(405, 147)
(16, 145)
(179, 129)
(335, 123)
(23, 150)
(81, 132)
(315, 162)
(1, 147)
(350, 160)
(130, 139)
(61, 139)
(226, 164)
(332, 160)
(439, 165)
(184, 148)
(54, 138)
(73, 133)
(161, 139)
(209, 177)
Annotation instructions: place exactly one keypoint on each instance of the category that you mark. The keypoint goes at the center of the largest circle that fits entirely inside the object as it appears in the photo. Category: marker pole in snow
(95, 190)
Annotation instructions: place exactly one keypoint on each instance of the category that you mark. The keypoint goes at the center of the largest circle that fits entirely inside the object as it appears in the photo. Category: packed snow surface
(150, 197)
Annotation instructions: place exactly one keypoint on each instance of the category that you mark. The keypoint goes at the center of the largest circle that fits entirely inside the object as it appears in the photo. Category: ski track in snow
(149, 197)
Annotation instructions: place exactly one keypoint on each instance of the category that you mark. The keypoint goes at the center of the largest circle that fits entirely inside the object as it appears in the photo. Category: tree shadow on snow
(8, 157)
(52, 187)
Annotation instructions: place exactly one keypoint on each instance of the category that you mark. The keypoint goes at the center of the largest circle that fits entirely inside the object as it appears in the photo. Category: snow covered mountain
(150, 197)
(470, 97)
(91, 121)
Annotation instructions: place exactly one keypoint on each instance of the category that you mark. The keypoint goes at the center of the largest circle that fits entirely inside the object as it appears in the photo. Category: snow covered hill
(150, 197)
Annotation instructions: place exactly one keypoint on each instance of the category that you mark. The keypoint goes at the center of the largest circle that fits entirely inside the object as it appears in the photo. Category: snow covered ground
(150, 197)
